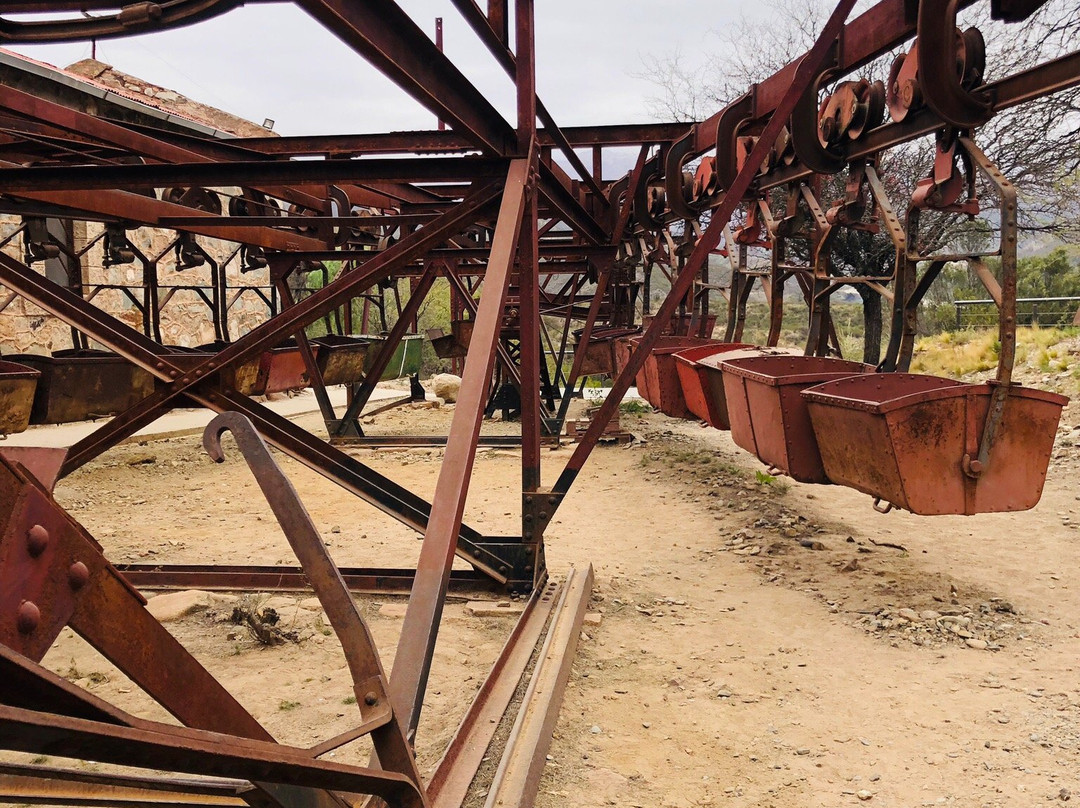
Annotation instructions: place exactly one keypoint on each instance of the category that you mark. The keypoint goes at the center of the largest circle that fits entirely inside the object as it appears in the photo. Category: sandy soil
(752, 651)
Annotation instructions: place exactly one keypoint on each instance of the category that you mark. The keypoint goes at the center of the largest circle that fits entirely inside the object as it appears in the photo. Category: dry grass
(962, 353)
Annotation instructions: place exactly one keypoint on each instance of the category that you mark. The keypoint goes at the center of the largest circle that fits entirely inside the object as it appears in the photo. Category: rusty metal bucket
(658, 379)
(244, 378)
(77, 385)
(623, 349)
(708, 367)
(693, 379)
(455, 344)
(903, 438)
(406, 359)
(17, 386)
(769, 417)
(599, 353)
(341, 358)
(283, 368)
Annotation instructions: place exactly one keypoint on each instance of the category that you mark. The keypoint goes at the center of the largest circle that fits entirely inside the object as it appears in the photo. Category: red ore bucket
(708, 368)
(693, 379)
(658, 380)
(768, 416)
(283, 368)
(902, 438)
(599, 351)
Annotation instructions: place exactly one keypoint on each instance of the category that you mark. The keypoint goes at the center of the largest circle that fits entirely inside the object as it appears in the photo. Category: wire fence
(1046, 311)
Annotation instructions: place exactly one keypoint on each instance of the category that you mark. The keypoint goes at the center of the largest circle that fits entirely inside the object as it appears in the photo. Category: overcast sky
(273, 61)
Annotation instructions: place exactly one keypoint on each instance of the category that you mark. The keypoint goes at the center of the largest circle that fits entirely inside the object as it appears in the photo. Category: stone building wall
(185, 319)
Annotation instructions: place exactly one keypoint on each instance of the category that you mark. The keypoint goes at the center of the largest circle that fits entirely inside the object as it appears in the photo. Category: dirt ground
(763, 643)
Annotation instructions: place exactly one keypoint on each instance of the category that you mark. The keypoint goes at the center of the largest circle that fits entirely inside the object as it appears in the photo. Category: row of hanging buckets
(906, 439)
(81, 384)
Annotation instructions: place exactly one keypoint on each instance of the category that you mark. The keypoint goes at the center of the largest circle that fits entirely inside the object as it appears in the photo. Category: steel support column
(412, 662)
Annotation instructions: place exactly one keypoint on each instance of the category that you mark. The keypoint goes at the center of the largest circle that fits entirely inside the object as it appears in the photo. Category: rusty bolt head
(371, 698)
(543, 514)
(528, 517)
(28, 617)
(476, 553)
(37, 539)
(503, 569)
(78, 575)
(553, 500)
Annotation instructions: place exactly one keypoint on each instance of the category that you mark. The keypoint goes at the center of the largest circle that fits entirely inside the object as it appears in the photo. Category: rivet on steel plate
(552, 500)
(528, 517)
(543, 514)
(78, 575)
(503, 569)
(476, 553)
(28, 617)
(37, 539)
(371, 698)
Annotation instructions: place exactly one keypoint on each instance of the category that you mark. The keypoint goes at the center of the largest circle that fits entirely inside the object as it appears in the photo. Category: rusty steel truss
(528, 236)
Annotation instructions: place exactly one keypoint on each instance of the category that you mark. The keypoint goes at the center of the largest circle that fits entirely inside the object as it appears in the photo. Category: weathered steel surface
(768, 416)
(902, 438)
(565, 253)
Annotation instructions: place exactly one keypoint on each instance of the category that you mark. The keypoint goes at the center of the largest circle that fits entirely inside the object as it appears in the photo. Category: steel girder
(510, 227)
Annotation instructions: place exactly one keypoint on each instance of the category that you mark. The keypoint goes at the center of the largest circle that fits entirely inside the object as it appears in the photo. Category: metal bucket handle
(888, 506)
(1006, 302)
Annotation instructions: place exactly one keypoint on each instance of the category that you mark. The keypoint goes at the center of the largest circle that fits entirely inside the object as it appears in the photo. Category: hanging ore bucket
(244, 378)
(713, 378)
(599, 352)
(17, 386)
(77, 385)
(406, 360)
(340, 358)
(693, 378)
(623, 350)
(283, 368)
(658, 380)
(938, 446)
(768, 416)
(455, 344)
(911, 441)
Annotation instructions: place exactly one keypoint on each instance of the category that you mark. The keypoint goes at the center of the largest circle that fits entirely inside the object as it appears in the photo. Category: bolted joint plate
(517, 559)
(537, 510)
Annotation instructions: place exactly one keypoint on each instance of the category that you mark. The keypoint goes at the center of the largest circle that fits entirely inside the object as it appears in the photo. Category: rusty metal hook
(318, 566)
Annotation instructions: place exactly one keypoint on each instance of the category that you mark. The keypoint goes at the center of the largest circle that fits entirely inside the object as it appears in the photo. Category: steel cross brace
(804, 74)
(332, 463)
(369, 680)
(412, 662)
(381, 32)
(55, 574)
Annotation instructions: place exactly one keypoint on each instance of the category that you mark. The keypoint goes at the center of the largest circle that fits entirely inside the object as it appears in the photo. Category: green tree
(1052, 275)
